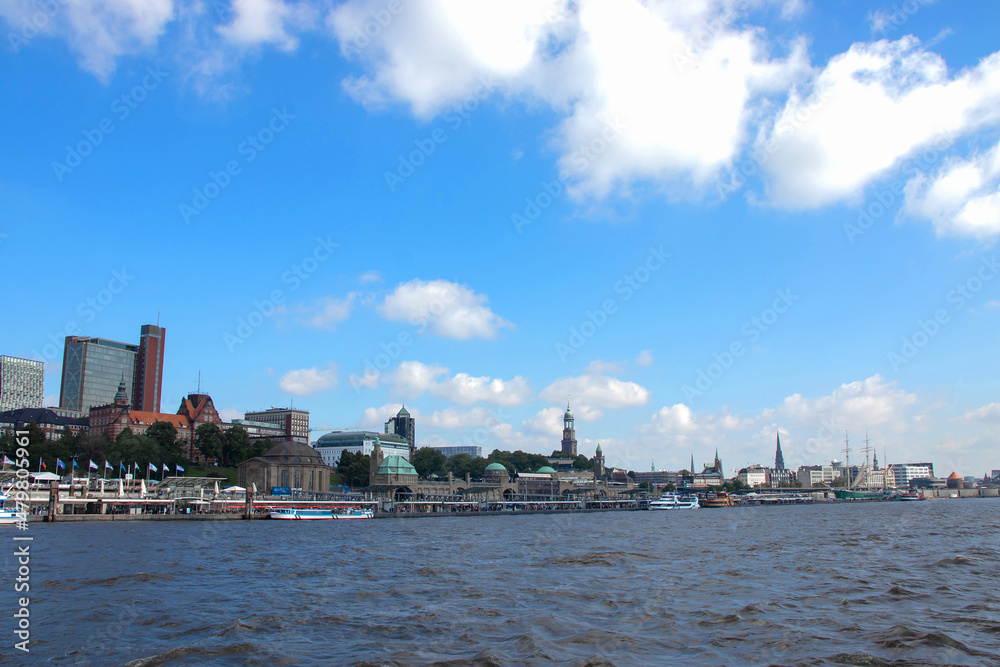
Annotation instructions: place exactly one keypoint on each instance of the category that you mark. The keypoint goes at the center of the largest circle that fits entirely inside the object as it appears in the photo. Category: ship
(310, 514)
(674, 501)
(719, 499)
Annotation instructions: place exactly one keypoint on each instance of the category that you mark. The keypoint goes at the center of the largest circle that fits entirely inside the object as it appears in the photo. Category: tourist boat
(674, 501)
(720, 499)
(7, 514)
(299, 514)
(852, 494)
(911, 495)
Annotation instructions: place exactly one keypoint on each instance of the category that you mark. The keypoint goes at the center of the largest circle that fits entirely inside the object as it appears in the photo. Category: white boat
(300, 514)
(674, 501)
(8, 514)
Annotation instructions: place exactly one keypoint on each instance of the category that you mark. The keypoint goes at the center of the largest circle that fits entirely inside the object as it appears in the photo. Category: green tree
(208, 440)
(236, 446)
(353, 469)
(581, 462)
(669, 486)
(165, 435)
(91, 446)
(460, 464)
(429, 461)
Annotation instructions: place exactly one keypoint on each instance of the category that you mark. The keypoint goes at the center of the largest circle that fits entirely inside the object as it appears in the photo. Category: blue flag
(59, 464)
(75, 464)
(179, 469)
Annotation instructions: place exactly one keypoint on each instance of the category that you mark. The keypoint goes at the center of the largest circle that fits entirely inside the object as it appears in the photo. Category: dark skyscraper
(779, 460)
(404, 426)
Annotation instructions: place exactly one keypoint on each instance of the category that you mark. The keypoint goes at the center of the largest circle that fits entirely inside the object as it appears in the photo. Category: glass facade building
(92, 369)
(21, 383)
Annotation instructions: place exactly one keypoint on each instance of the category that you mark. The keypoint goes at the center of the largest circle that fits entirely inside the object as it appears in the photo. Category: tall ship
(861, 488)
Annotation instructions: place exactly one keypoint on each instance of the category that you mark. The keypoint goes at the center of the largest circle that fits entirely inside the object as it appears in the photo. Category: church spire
(779, 459)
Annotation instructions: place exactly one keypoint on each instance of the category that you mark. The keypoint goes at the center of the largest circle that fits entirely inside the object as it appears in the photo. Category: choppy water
(865, 584)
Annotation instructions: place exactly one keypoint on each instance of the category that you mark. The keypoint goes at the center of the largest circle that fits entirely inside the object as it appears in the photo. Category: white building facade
(332, 445)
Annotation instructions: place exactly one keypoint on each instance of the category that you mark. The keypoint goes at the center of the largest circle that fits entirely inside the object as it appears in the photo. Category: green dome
(546, 469)
(396, 465)
(496, 468)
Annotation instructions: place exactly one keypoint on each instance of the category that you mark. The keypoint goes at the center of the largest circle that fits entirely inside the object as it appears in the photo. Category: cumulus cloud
(548, 421)
(370, 277)
(591, 393)
(229, 414)
(448, 309)
(375, 418)
(987, 413)
(305, 381)
(453, 418)
(866, 112)
(962, 199)
(327, 312)
(644, 358)
(98, 31)
(413, 378)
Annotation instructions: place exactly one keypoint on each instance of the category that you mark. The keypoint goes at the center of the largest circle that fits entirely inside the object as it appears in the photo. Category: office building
(475, 451)
(93, 368)
(294, 424)
(405, 426)
(332, 445)
(21, 383)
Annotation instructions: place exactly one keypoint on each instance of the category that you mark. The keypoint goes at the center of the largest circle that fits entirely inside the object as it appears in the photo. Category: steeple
(121, 398)
(692, 464)
(568, 444)
(779, 459)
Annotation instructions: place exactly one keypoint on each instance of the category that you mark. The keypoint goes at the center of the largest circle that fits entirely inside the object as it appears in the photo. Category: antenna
(199, 382)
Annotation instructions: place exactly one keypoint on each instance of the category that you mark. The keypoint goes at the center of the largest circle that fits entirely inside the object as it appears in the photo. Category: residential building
(22, 383)
(472, 450)
(93, 368)
(52, 424)
(294, 424)
(332, 445)
(405, 426)
(755, 475)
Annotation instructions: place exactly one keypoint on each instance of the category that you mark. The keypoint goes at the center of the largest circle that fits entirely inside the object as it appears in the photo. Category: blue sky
(706, 222)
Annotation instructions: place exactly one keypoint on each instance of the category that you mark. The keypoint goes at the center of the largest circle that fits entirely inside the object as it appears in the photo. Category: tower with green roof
(569, 433)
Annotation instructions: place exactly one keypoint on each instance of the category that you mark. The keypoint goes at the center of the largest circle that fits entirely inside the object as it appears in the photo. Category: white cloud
(599, 367)
(99, 31)
(257, 22)
(548, 421)
(368, 380)
(868, 110)
(307, 381)
(375, 418)
(962, 199)
(370, 277)
(987, 413)
(590, 393)
(452, 418)
(229, 414)
(327, 312)
(448, 309)
(644, 358)
(992, 304)
(413, 378)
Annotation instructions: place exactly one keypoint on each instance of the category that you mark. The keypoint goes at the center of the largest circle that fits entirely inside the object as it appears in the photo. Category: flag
(93, 466)
(137, 466)
(75, 464)
(41, 463)
(108, 466)
(152, 467)
(122, 466)
(7, 461)
(165, 468)
(179, 469)
(59, 464)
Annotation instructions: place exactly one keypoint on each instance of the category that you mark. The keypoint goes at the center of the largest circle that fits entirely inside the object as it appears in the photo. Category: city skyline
(705, 226)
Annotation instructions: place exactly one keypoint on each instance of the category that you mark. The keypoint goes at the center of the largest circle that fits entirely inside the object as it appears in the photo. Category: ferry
(674, 501)
(911, 495)
(300, 514)
(7, 514)
(719, 499)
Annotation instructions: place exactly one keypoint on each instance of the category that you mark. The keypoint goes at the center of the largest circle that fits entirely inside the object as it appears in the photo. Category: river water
(865, 584)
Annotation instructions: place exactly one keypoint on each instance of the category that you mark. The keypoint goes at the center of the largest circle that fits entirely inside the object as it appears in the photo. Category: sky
(701, 223)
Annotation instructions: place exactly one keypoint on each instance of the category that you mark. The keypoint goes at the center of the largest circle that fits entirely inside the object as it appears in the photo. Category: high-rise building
(405, 426)
(149, 368)
(569, 433)
(93, 367)
(22, 383)
(293, 423)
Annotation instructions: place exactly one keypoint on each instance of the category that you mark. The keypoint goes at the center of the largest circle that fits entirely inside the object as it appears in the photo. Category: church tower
(779, 459)
(375, 460)
(599, 470)
(569, 433)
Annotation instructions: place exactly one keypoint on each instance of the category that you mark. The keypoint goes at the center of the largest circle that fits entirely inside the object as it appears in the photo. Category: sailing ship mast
(847, 458)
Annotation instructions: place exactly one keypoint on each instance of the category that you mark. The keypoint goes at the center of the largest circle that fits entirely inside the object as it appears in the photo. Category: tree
(165, 435)
(90, 445)
(429, 461)
(353, 468)
(460, 464)
(208, 440)
(581, 462)
(669, 486)
(236, 446)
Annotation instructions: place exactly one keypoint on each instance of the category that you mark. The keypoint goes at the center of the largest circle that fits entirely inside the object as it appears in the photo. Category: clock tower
(569, 433)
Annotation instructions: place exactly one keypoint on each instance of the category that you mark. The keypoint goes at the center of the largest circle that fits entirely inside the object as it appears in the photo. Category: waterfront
(879, 583)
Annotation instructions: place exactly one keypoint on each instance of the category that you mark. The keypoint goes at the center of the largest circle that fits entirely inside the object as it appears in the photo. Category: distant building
(474, 451)
(293, 424)
(755, 475)
(93, 368)
(52, 424)
(568, 444)
(904, 473)
(332, 445)
(404, 426)
(259, 430)
(288, 464)
(22, 383)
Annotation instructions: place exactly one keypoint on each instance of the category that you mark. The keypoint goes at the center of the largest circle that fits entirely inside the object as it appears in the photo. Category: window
(284, 478)
(298, 479)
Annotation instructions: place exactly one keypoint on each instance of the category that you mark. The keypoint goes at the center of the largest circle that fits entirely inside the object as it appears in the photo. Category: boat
(308, 514)
(852, 494)
(674, 501)
(911, 495)
(8, 514)
(720, 499)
